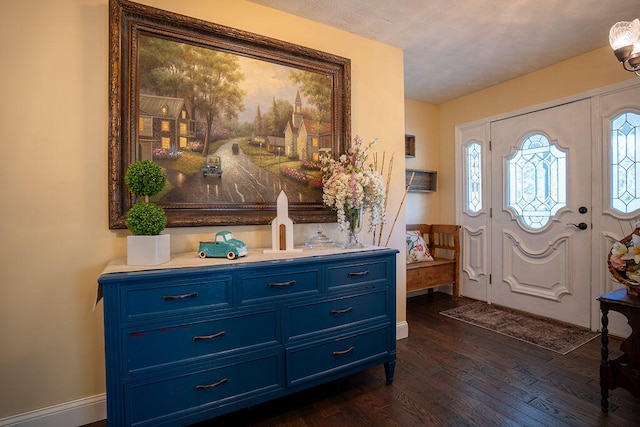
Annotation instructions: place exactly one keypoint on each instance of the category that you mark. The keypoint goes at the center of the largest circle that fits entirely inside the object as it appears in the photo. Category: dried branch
(386, 200)
(378, 229)
(404, 196)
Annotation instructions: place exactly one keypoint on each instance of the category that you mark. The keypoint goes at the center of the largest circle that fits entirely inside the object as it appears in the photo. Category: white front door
(617, 134)
(541, 212)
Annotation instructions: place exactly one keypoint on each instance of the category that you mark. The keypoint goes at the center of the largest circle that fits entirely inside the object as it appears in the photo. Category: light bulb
(624, 34)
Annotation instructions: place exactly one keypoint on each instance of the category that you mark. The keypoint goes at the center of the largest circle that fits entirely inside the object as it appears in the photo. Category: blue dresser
(193, 339)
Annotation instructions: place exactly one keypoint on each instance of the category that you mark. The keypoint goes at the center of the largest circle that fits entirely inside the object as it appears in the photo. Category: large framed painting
(232, 117)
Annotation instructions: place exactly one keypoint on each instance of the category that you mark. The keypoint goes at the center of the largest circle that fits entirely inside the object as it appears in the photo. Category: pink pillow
(417, 249)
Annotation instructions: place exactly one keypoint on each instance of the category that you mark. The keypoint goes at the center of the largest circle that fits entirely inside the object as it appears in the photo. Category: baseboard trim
(402, 330)
(75, 413)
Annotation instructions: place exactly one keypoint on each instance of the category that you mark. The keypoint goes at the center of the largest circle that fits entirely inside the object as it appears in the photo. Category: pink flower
(618, 263)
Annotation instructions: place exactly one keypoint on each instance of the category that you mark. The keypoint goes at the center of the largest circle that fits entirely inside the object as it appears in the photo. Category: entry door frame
(599, 273)
(542, 269)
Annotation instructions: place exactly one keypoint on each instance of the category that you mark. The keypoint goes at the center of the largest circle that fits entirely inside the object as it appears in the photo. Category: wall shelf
(423, 181)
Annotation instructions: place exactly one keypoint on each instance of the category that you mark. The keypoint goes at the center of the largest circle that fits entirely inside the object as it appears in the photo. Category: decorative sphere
(146, 219)
(144, 178)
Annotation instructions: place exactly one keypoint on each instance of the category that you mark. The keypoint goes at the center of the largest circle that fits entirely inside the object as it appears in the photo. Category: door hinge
(490, 277)
(490, 212)
(489, 145)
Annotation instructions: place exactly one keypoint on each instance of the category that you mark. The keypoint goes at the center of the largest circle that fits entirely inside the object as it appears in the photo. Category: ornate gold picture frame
(232, 117)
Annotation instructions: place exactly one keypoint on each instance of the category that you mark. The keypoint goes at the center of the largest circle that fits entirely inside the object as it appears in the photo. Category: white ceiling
(456, 47)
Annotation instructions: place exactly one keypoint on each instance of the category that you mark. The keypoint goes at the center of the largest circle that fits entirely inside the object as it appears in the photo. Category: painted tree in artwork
(258, 128)
(218, 94)
(163, 66)
(278, 116)
(317, 88)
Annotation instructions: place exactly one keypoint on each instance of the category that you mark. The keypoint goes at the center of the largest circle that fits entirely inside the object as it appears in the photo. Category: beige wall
(576, 75)
(53, 169)
(421, 120)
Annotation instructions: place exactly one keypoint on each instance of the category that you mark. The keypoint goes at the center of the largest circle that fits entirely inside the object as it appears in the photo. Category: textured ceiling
(456, 47)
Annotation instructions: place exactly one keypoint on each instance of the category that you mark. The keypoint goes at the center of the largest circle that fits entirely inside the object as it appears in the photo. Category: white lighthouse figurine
(282, 228)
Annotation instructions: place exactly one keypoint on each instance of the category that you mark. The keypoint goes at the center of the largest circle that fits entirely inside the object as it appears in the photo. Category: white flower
(619, 249)
(349, 184)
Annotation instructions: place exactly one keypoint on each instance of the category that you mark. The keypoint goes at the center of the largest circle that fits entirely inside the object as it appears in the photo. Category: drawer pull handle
(337, 312)
(209, 337)
(207, 386)
(282, 284)
(359, 273)
(183, 296)
(343, 352)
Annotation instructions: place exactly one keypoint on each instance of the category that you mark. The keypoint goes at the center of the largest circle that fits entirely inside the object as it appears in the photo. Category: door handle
(581, 226)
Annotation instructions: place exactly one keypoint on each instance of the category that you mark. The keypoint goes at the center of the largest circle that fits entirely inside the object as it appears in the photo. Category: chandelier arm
(628, 67)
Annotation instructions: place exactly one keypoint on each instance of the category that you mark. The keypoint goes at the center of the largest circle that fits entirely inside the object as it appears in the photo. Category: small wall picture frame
(409, 146)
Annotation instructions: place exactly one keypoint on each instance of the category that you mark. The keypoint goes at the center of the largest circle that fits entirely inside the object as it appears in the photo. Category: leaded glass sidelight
(537, 181)
(473, 154)
(625, 162)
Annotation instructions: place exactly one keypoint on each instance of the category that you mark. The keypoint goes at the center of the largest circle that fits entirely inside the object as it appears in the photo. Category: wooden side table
(623, 371)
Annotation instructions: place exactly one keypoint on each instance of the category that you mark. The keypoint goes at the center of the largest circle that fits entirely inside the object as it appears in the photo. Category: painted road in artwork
(243, 180)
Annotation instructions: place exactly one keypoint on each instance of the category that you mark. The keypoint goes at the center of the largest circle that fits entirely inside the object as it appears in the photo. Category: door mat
(542, 332)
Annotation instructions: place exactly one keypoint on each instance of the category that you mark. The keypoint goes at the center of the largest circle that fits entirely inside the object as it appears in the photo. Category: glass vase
(353, 226)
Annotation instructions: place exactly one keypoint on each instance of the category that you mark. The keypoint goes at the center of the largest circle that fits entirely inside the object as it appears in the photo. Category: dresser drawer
(306, 363)
(168, 298)
(357, 273)
(150, 402)
(266, 287)
(159, 346)
(323, 316)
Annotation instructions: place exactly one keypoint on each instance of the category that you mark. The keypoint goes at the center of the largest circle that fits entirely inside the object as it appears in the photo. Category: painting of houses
(275, 144)
(163, 123)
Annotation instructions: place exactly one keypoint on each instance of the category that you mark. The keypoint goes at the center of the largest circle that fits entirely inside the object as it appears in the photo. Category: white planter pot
(148, 250)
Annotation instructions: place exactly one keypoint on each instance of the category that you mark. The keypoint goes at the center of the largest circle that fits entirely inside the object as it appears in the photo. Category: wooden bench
(443, 242)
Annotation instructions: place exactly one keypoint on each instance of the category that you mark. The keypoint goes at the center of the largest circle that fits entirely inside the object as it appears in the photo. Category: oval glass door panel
(536, 181)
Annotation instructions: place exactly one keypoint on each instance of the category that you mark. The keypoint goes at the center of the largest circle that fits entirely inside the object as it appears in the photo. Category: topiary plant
(146, 219)
(145, 178)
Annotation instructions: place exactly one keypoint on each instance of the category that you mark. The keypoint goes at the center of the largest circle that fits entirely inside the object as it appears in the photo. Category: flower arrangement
(625, 259)
(351, 187)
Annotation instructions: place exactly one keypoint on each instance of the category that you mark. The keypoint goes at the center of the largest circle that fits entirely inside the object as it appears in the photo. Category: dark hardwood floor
(450, 373)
